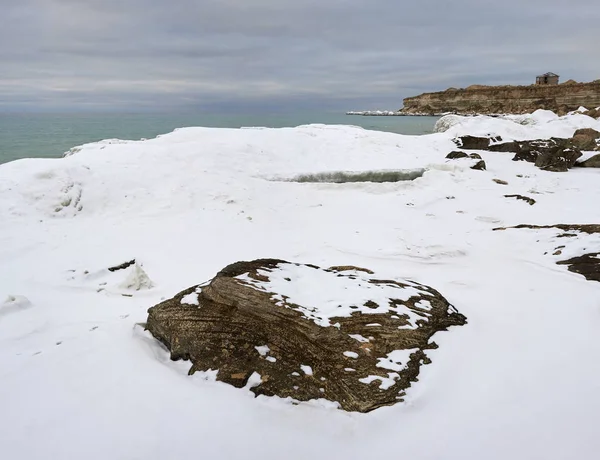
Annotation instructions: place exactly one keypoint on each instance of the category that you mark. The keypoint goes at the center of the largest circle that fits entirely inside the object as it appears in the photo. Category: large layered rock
(303, 332)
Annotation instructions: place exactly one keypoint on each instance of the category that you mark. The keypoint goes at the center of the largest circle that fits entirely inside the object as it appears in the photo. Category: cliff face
(506, 99)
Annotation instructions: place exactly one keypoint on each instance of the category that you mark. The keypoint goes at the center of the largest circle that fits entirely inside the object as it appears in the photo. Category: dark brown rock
(586, 139)
(456, 155)
(593, 162)
(122, 266)
(479, 166)
(362, 355)
(475, 156)
(594, 113)
(500, 181)
(587, 265)
(531, 201)
(472, 142)
(504, 147)
(530, 150)
(560, 160)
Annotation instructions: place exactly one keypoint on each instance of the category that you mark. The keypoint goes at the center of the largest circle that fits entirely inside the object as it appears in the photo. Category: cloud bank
(228, 55)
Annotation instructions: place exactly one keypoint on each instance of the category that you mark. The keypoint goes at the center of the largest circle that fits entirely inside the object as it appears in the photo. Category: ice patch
(306, 369)
(397, 360)
(253, 381)
(359, 337)
(190, 299)
(386, 382)
(263, 350)
(351, 354)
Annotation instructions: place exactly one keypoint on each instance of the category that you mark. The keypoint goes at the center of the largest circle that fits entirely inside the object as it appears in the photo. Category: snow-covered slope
(79, 379)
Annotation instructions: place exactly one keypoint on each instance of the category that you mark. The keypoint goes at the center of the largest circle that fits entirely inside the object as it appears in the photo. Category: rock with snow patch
(560, 160)
(472, 142)
(586, 139)
(479, 166)
(303, 332)
(592, 162)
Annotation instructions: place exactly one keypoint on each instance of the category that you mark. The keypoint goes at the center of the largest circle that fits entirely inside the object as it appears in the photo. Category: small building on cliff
(547, 79)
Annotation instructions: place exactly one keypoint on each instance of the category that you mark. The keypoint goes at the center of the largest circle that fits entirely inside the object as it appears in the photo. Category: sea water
(50, 135)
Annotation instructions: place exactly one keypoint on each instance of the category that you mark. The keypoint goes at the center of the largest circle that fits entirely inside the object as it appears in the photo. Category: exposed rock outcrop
(478, 99)
(303, 332)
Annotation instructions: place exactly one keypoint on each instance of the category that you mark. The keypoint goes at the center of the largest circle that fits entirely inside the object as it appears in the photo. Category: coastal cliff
(506, 99)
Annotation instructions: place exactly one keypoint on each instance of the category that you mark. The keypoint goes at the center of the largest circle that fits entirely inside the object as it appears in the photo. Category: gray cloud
(231, 54)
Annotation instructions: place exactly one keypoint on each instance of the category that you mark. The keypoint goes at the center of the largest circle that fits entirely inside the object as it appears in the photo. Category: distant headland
(547, 93)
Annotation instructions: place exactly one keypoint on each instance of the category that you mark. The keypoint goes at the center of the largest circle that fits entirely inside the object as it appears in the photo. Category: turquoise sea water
(50, 135)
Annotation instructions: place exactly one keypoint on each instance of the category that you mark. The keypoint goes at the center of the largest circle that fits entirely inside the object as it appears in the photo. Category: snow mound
(125, 279)
(13, 304)
(541, 124)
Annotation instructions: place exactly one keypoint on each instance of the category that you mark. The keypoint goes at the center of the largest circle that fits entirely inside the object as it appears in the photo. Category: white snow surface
(345, 293)
(79, 379)
(396, 360)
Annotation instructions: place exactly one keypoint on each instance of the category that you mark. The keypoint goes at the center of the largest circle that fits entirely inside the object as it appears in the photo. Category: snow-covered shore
(79, 379)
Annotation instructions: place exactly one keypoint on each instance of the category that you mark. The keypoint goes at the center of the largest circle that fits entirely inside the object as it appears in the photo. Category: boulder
(594, 113)
(472, 142)
(475, 156)
(530, 150)
(592, 162)
(479, 166)
(456, 154)
(586, 139)
(558, 161)
(299, 331)
(504, 147)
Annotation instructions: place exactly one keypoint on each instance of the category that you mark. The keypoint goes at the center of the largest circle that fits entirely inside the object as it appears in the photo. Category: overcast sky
(225, 55)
